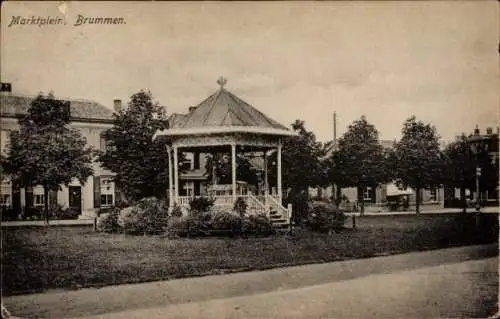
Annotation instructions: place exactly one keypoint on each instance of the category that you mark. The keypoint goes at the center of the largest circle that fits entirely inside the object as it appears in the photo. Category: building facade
(91, 119)
(379, 198)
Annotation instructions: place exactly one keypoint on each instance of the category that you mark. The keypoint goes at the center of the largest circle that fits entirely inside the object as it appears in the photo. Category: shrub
(226, 222)
(9, 214)
(131, 220)
(201, 204)
(176, 211)
(393, 205)
(155, 215)
(325, 217)
(189, 226)
(32, 213)
(60, 213)
(258, 224)
(240, 206)
(108, 222)
(148, 216)
(219, 222)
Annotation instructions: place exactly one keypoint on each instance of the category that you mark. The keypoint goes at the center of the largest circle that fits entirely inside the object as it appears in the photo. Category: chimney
(489, 130)
(117, 105)
(6, 88)
(192, 108)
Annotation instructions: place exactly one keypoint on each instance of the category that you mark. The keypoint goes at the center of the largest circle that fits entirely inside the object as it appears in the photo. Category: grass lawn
(41, 258)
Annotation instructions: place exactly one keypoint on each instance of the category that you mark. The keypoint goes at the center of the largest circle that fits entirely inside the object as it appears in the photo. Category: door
(75, 198)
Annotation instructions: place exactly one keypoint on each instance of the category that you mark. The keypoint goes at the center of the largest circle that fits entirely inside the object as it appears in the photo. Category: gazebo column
(233, 169)
(266, 178)
(176, 173)
(280, 193)
(170, 179)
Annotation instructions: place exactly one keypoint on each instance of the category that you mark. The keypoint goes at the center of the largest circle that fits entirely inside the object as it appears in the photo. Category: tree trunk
(417, 198)
(338, 195)
(46, 204)
(361, 200)
(463, 199)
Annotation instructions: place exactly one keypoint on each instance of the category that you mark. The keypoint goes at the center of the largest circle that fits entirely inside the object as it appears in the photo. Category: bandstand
(225, 123)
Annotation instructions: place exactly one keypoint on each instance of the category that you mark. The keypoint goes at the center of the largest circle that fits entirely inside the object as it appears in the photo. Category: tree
(461, 163)
(300, 156)
(45, 151)
(418, 159)
(460, 167)
(360, 161)
(140, 163)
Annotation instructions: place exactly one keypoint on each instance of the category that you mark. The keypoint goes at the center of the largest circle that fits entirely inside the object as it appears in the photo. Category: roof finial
(222, 81)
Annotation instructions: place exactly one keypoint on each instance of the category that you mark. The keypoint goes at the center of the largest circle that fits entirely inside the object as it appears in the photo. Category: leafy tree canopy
(139, 162)
(301, 167)
(418, 158)
(46, 151)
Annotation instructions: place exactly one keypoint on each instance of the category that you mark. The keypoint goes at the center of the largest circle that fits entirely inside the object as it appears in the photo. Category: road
(459, 290)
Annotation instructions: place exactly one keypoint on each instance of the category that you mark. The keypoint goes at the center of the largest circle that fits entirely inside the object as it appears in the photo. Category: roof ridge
(34, 96)
(268, 119)
(210, 109)
(236, 99)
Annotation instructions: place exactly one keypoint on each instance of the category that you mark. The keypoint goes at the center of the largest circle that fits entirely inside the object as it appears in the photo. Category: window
(5, 191)
(367, 195)
(104, 144)
(107, 200)
(107, 191)
(39, 200)
(433, 195)
(189, 187)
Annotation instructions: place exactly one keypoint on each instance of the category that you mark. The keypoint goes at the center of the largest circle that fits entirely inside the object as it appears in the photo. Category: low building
(91, 119)
(379, 198)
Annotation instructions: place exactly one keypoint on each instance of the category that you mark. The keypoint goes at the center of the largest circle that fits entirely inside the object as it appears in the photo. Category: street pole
(478, 174)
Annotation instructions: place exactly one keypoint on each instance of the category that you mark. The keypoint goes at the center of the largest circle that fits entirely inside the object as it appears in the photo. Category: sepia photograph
(250, 159)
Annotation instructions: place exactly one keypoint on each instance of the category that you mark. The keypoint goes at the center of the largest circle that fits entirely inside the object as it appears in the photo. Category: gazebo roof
(224, 112)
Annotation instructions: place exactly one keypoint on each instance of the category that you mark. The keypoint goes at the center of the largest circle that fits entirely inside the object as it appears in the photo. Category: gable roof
(223, 109)
(176, 120)
(14, 105)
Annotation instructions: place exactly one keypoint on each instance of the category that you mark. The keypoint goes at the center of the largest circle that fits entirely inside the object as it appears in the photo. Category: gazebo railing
(275, 205)
(262, 204)
(256, 206)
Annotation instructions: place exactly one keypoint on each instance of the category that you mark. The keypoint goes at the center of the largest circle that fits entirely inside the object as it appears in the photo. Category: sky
(436, 60)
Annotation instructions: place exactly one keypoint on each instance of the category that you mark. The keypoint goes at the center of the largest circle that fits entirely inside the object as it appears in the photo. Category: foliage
(45, 151)
(110, 210)
(176, 211)
(325, 217)
(108, 222)
(460, 164)
(224, 221)
(240, 206)
(300, 206)
(139, 161)
(221, 223)
(9, 214)
(223, 170)
(60, 213)
(298, 151)
(148, 216)
(360, 161)
(257, 225)
(418, 161)
(188, 226)
(201, 204)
